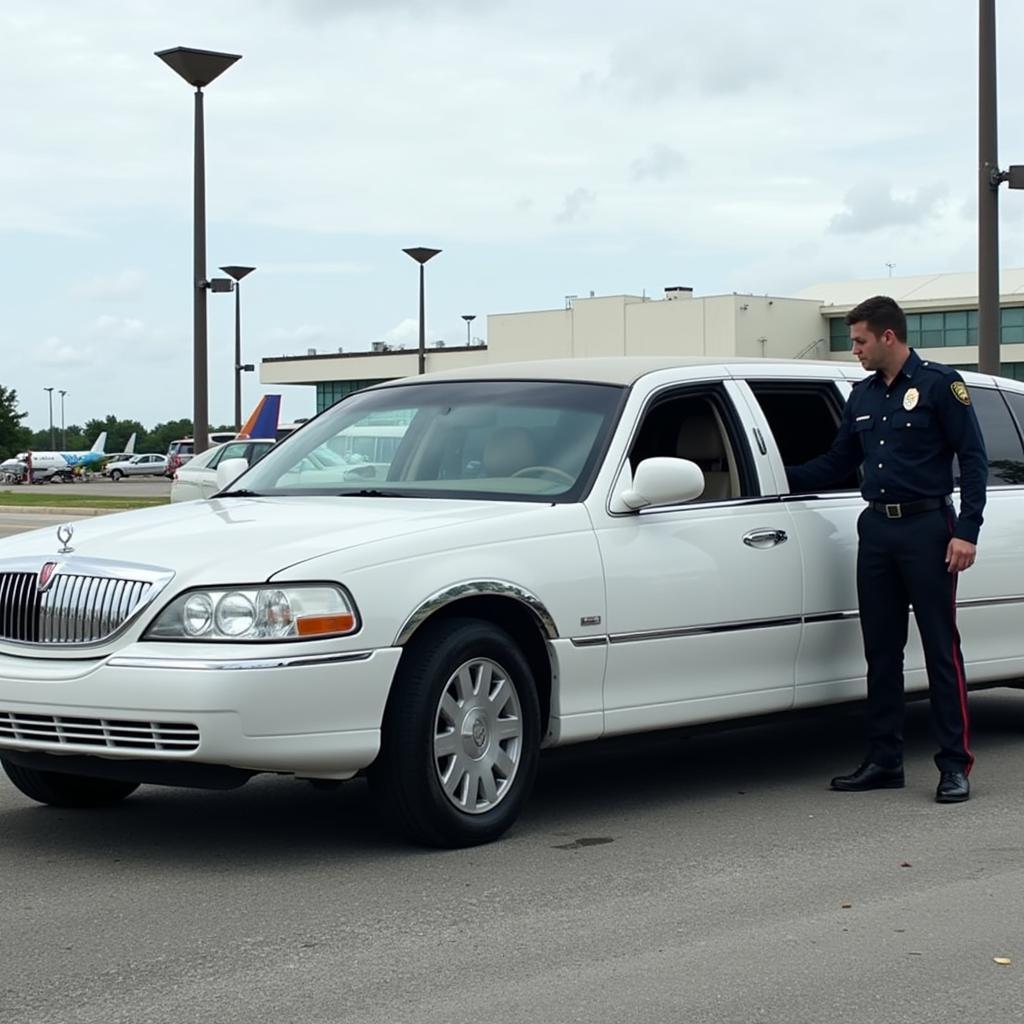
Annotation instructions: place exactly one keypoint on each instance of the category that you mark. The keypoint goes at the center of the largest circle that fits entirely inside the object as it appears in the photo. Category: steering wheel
(550, 471)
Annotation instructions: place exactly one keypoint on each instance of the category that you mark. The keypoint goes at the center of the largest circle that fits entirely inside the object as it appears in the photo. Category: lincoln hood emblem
(64, 534)
(45, 577)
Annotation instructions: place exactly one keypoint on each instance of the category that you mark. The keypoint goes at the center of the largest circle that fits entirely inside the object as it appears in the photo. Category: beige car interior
(691, 428)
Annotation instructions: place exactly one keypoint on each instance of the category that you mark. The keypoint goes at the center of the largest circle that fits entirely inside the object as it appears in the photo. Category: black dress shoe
(869, 776)
(953, 788)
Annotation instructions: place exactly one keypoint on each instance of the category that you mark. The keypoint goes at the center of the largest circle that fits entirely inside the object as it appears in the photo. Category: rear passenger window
(1002, 439)
(804, 419)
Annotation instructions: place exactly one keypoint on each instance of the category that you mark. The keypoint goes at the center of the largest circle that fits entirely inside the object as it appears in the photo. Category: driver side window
(698, 426)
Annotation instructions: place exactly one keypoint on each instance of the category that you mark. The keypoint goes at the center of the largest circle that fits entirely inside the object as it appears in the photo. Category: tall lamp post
(49, 392)
(469, 318)
(199, 68)
(238, 273)
(63, 432)
(421, 255)
(990, 177)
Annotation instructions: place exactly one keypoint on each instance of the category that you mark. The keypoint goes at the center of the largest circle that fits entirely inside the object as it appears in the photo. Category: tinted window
(804, 419)
(1002, 441)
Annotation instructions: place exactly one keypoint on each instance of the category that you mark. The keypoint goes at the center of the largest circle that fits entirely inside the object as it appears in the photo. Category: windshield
(499, 440)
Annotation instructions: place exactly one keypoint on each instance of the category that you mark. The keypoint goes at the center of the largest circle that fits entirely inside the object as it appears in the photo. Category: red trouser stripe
(961, 679)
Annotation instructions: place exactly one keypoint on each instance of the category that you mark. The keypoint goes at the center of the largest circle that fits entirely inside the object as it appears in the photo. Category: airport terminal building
(942, 323)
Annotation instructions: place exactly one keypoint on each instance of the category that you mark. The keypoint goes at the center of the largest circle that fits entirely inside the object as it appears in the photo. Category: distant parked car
(136, 465)
(197, 478)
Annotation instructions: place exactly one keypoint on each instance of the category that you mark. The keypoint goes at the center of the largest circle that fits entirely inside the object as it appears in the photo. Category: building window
(838, 335)
(331, 391)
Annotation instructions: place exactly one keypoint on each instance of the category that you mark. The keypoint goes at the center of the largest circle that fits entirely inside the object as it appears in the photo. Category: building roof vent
(310, 351)
(678, 291)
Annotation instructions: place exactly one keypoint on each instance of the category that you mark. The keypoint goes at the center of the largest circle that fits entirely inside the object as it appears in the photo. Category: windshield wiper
(367, 492)
(239, 494)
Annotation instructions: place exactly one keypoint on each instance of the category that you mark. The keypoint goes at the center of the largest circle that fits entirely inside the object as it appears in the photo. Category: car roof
(622, 370)
(627, 370)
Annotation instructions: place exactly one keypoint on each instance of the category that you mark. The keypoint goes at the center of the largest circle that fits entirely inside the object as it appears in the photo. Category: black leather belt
(909, 508)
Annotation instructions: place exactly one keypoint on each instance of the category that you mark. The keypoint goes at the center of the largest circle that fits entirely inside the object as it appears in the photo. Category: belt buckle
(893, 512)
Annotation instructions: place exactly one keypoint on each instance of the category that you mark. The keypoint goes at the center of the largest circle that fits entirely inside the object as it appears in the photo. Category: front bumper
(314, 715)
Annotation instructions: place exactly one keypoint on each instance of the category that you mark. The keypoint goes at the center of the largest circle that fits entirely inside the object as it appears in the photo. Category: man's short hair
(881, 314)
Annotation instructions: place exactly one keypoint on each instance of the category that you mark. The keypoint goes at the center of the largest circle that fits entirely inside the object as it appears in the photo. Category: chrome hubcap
(478, 736)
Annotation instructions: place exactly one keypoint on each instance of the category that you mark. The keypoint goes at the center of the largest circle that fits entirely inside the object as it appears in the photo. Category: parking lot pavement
(140, 487)
(664, 878)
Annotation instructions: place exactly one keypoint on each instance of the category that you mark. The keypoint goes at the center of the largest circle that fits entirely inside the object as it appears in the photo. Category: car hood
(237, 540)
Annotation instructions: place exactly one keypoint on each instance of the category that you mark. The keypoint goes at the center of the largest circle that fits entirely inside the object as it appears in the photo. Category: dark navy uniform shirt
(906, 434)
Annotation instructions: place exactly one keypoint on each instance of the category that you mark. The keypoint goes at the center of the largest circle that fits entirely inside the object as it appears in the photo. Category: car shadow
(276, 824)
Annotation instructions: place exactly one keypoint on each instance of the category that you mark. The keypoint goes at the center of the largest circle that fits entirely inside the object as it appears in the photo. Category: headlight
(288, 612)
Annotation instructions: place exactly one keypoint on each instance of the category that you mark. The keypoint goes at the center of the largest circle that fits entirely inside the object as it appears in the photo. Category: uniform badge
(960, 392)
(910, 399)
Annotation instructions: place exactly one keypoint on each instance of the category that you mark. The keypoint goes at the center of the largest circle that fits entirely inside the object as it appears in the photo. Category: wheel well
(521, 624)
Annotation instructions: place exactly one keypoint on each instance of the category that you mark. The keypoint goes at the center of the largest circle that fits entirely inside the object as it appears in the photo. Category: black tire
(115, 475)
(60, 790)
(407, 775)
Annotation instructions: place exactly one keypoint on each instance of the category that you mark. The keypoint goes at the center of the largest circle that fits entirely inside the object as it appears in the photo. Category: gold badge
(959, 389)
(910, 399)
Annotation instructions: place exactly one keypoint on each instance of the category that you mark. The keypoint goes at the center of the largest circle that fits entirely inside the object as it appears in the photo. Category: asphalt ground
(144, 486)
(673, 877)
(656, 878)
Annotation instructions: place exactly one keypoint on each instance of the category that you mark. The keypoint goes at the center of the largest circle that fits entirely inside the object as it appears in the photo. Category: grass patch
(33, 499)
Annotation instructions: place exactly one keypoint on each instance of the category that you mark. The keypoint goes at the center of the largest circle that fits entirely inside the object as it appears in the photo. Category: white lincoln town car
(529, 555)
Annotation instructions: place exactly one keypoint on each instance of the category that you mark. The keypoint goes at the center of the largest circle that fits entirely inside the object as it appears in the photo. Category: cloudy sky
(549, 148)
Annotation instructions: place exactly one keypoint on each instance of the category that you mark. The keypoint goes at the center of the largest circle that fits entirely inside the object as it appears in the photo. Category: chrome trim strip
(588, 641)
(477, 588)
(716, 627)
(831, 616)
(980, 602)
(238, 664)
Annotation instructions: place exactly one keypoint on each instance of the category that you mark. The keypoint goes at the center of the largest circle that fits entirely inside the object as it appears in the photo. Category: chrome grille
(113, 733)
(76, 608)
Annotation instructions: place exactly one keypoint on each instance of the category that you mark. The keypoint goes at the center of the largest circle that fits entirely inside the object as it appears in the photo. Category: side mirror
(228, 471)
(660, 481)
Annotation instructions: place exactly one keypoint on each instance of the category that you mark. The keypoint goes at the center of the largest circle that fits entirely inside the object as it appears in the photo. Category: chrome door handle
(765, 538)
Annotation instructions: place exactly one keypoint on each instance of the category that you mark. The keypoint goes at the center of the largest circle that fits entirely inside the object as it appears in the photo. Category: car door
(798, 411)
(704, 599)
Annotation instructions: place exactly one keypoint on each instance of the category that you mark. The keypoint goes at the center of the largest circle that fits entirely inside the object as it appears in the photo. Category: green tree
(14, 437)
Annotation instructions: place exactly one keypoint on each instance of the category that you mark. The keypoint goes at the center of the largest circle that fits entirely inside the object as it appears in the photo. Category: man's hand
(960, 555)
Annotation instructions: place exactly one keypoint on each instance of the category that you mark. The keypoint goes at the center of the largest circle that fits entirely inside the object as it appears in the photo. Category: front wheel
(461, 736)
(60, 790)
(115, 475)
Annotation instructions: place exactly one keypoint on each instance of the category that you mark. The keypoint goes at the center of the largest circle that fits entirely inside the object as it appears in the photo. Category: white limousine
(553, 552)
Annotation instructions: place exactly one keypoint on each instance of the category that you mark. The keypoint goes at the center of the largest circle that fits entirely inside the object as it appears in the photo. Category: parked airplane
(62, 464)
(129, 451)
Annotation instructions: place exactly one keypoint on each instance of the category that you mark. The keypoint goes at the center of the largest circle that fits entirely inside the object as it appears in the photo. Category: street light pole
(63, 432)
(49, 392)
(199, 68)
(469, 318)
(421, 255)
(988, 194)
(238, 273)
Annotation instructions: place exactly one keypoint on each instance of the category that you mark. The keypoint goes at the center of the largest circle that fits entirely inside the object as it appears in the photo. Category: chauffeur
(904, 424)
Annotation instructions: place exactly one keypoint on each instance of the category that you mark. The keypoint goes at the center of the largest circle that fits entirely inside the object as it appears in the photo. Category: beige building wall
(546, 334)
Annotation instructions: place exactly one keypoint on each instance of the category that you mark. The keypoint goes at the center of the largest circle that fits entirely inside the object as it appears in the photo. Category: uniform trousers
(901, 562)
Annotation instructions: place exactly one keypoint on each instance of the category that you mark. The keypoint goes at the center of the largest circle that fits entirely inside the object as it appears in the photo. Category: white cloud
(872, 206)
(53, 351)
(660, 163)
(304, 334)
(575, 206)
